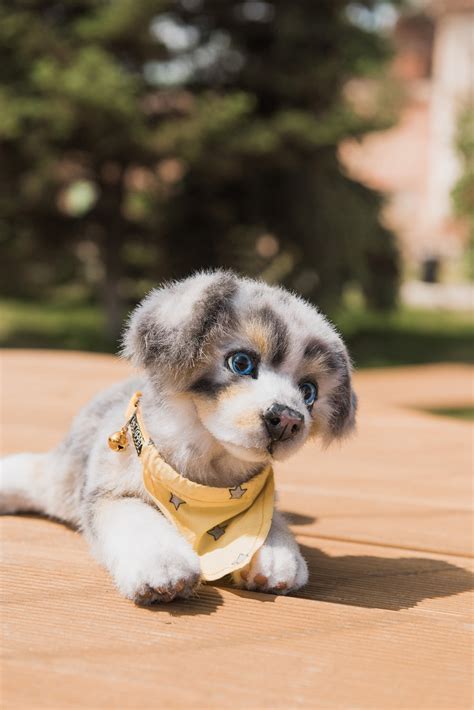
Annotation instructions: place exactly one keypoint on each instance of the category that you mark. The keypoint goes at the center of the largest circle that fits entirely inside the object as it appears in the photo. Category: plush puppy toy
(169, 475)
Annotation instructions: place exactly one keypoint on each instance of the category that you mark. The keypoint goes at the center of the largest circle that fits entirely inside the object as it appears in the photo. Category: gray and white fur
(210, 424)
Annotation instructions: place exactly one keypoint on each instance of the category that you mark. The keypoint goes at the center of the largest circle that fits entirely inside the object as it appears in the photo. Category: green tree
(141, 140)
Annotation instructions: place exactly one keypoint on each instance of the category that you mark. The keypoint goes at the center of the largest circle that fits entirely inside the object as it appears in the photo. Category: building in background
(416, 162)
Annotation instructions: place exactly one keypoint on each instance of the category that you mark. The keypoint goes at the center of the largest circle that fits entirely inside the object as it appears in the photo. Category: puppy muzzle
(282, 423)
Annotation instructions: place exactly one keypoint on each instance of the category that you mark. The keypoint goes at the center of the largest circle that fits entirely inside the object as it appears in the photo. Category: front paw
(277, 570)
(165, 576)
(167, 591)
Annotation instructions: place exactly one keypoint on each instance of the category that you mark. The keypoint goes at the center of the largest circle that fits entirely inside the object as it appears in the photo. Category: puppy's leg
(21, 483)
(278, 567)
(39, 483)
(146, 556)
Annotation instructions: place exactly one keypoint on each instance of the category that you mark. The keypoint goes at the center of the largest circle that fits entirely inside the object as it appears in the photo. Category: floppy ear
(174, 325)
(342, 400)
(338, 407)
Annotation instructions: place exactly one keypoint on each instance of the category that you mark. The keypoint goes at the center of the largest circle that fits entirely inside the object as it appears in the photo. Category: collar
(225, 526)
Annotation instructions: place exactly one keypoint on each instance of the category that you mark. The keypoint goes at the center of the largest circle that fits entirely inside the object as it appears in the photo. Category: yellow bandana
(225, 526)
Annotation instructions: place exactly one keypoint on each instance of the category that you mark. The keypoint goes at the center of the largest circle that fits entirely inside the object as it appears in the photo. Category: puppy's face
(263, 369)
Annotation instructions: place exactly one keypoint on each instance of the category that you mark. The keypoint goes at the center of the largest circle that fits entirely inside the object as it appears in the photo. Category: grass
(405, 337)
(51, 325)
(464, 413)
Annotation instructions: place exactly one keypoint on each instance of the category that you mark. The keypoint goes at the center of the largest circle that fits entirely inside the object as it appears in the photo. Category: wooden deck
(383, 520)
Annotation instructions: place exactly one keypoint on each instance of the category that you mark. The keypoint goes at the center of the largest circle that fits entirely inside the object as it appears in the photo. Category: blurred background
(326, 145)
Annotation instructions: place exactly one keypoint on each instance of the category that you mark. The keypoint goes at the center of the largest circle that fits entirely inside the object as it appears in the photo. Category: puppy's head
(263, 369)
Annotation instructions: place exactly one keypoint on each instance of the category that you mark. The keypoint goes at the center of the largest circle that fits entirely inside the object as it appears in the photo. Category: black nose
(282, 422)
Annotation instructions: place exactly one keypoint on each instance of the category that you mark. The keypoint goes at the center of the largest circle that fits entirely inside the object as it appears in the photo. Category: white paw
(161, 575)
(274, 569)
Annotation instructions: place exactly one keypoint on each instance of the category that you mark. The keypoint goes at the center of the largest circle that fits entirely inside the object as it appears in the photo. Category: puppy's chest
(190, 449)
(206, 466)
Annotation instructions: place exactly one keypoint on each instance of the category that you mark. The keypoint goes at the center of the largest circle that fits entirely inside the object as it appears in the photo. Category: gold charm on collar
(119, 440)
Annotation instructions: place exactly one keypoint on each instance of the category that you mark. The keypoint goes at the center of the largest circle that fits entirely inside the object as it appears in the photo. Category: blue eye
(240, 364)
(309, 390)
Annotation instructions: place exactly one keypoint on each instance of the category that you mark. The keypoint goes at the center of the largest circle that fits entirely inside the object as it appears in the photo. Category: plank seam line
(371, 543)
(352, 493)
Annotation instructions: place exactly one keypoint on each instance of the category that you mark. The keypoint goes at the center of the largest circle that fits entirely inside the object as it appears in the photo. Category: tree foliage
(141, 140)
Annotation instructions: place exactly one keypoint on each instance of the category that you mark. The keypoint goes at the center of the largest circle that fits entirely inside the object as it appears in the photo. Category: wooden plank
(376, 628)
(365, 517)
(404, 479)
(419, 386)
(378, 577)
(43, 390)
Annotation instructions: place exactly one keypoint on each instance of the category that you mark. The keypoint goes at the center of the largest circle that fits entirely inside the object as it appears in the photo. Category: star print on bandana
(216, 532)
(237, 491)
(176, 501)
